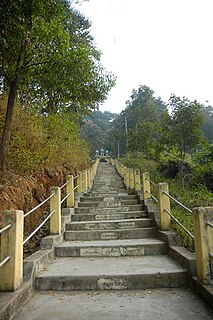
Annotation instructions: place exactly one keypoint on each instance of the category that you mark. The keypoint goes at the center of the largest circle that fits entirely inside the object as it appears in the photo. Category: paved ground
(164, 304)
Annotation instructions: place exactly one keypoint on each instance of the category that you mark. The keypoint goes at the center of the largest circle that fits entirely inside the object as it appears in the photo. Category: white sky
(164, 44)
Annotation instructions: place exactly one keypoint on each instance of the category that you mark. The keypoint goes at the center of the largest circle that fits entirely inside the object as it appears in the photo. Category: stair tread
(104, 243)
(110, 266)
(120, 212)
(109, 221)
(111, 230)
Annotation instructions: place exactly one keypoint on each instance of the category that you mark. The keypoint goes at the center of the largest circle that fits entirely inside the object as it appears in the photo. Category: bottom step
(111, 274)
(166, 304)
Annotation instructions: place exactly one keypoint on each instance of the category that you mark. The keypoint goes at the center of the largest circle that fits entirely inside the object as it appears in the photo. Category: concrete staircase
(110, 244)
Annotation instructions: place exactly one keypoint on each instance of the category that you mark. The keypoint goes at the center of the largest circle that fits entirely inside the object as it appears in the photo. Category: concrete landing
(163, 304)
(122, 273)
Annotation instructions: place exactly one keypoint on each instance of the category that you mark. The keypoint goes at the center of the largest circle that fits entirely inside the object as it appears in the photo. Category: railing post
(131, 179)
(146, 186)
(137, 185)
(85, 181)
(89, 178)
(122, 171)
(11, 274)
(70, 191)
(79, 181)
(203, 240)
(164, 204)
(55, 205)
(127, 175)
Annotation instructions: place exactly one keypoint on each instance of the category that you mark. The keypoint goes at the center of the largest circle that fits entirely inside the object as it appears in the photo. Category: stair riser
(108, 203)
(112, 251)
(98, 217)
(126, 282)
(96, 199)
(110, 225)
(112, 191)
(109, 209)
(110, 235)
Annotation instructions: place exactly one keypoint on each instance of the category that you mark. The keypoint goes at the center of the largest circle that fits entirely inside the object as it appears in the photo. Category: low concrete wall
(11, 302)
(180, 254)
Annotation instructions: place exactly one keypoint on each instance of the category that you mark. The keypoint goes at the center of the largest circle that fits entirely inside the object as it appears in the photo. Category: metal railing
(200, 236)
(154, 184)
(38, 228)
(15, 240)
(180, 224)
(153, 197)
(178, 202)
(39, 205)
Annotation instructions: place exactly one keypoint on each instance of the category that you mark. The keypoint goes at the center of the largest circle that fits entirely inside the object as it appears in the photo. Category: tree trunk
(8, 122)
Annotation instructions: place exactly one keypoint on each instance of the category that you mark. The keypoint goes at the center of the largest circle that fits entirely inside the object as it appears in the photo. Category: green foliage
(143, 127)
(49, 60)
(195, 193)
(44, 142)
(95, 129)
(207, 126)
(185, 125)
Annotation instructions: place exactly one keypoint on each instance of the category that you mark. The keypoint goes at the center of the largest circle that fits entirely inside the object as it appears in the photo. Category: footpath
(111, 264)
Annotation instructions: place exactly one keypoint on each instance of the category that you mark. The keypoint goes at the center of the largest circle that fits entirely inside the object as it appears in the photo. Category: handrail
(209, 224)
(64, 185)
(53, 216)
(5, 228)
(4, 261)
(138, 183)
(178, 202)
(180, 224)
(39, 227)
(39, 205)
(152, 196)
(154, 184)
(65, 197)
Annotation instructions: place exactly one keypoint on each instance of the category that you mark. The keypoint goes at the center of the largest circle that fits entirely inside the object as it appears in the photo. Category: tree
(186, 124)
(143, 114)
(95, 129)
(207, 126)
(185, 127)
(47, 56)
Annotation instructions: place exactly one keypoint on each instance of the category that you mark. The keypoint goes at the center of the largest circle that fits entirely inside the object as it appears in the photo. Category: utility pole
(118, 149)
(126, 129)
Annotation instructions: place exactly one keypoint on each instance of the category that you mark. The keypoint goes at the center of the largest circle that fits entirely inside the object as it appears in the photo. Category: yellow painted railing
(12, 242)
(202, 217)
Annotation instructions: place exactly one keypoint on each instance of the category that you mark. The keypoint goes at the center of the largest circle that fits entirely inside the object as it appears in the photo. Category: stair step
(110, 224)
(108, 216)
(136, 207)
(108, 193)
(91, 198)
(111, 248)
(108, 202)
(89, 235)
(120, 273)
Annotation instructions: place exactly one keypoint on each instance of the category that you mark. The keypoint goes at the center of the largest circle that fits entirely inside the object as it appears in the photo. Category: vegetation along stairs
(110, 244)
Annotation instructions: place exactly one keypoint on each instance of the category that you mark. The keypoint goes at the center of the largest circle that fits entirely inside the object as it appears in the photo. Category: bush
(44, 141)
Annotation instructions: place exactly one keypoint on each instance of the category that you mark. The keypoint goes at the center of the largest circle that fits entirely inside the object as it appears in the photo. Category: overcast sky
(164, 44)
